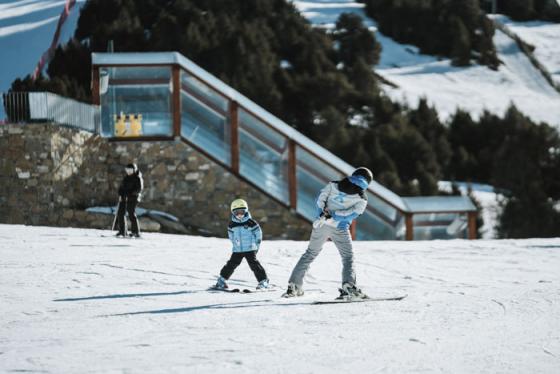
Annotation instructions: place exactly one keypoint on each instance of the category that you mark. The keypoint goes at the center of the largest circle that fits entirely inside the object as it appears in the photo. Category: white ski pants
(343, 242)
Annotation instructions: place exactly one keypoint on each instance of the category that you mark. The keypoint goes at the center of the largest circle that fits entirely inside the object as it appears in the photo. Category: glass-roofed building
(165, 96)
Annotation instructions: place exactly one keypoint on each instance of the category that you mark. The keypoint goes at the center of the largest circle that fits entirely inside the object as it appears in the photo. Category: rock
(193, 176)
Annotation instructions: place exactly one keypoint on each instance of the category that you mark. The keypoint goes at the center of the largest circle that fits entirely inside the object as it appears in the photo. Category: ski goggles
(129, 170)
(239, 211)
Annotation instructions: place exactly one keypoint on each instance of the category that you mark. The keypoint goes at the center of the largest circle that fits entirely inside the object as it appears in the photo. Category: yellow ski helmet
(239, 204)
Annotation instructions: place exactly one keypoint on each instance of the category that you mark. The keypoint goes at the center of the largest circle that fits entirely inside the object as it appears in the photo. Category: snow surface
(26, 31)
(474, 88)
(490, 203)
(75, 301)
(544, 36)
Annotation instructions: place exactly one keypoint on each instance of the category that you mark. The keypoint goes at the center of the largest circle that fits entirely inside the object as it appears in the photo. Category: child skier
(338, 204)
(246, 236)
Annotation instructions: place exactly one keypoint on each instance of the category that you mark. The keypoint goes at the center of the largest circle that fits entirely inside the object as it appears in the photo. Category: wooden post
(409, 227)
(234, 127)
(472, 225)
(292, 175)
(176, 100)
(95, 95)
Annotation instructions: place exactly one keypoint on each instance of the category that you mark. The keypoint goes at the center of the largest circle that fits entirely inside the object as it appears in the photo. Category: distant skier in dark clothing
(130, 192)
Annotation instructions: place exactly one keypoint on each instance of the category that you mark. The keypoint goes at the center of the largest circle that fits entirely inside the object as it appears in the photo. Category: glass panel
(255, 126)
(440, 226)
(436, 218)
(312, 175)
(382, 207)
(136, 110)
(439, 203)
(135, 107)
(436, 232)
(140, 73)
(370, 227)
(205, 128)
(203, 93)
(263, 156)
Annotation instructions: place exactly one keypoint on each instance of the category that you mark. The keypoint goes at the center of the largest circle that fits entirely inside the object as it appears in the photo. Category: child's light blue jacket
(245, 233)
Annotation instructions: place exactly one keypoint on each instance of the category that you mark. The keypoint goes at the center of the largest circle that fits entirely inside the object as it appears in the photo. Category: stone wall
(50, 174)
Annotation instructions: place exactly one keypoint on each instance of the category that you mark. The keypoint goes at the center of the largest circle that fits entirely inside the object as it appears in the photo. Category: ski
(230, 290)
(246, 290)
(241, 290)
(366, 299)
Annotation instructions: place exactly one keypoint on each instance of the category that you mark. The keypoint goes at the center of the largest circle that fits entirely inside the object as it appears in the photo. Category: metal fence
(36, 107)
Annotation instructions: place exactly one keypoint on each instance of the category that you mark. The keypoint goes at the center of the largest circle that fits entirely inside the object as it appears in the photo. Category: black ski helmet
(363, 172)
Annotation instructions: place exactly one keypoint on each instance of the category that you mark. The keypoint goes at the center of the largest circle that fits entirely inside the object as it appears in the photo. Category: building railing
(37, 107)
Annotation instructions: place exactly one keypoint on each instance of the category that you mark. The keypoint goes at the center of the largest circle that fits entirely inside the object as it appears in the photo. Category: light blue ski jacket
(245, 233)
(344, 208)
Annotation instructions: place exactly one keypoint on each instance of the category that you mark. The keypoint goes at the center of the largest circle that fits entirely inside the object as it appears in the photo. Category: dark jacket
(132, 185)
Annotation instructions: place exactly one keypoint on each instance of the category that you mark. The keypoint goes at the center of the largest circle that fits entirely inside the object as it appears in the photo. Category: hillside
(27, 28)
(75, 301)
(474, 88)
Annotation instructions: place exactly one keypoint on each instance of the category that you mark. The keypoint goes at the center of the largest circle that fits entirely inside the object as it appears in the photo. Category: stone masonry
(50, 174)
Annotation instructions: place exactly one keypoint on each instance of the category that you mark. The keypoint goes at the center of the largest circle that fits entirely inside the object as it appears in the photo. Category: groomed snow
(474, 88)
(75, 301)
(544, 36)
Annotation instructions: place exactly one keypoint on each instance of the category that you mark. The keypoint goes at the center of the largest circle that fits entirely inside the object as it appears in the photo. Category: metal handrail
(42, 107)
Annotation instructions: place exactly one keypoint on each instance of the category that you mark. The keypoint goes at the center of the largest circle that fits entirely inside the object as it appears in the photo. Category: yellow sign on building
(128, 125)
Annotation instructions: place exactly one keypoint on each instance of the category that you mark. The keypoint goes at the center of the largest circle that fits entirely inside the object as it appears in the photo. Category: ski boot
(120, 234)
(134, 235)
(262, 284)
(221, 284)
(350, 292)
(293, 291)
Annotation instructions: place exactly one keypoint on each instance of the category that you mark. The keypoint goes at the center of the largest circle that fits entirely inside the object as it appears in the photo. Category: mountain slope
(447, 87)
(74, 301)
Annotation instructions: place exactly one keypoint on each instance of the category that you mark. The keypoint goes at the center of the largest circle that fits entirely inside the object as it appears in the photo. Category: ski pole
(116, 213)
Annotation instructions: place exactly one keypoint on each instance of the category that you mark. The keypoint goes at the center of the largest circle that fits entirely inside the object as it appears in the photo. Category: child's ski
(241, 290)
(231, 290)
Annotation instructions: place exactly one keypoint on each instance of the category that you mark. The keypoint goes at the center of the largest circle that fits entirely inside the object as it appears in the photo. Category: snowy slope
(26, 31)
(545, 36)
(73, 301)
(447, 87)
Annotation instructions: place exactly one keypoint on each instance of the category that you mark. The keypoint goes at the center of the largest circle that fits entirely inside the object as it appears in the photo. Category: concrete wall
(50, 174)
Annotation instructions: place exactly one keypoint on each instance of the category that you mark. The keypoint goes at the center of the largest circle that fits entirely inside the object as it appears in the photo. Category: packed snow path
(75, 301)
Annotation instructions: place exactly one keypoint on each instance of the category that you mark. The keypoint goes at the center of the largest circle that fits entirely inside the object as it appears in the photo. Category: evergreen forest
(323, 84)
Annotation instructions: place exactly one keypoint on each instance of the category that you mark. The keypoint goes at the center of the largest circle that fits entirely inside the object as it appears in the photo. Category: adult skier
(130, 192)
(338, 204)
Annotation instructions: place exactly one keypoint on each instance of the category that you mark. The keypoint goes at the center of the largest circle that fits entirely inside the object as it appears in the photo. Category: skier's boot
(120, 234)
(349, 291)
(262, 284)
(293, 291)
(221, 284)
(134, 234)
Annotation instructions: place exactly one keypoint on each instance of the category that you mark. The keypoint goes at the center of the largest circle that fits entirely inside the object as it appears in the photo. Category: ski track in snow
(74, 301)
(475, 88)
